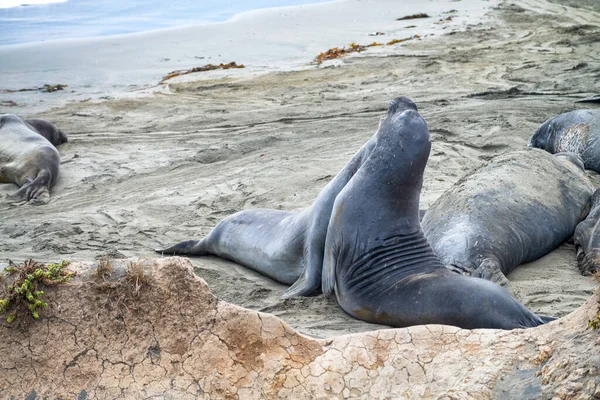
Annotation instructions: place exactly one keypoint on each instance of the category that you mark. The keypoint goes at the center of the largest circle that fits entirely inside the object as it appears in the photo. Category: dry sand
(142, 173)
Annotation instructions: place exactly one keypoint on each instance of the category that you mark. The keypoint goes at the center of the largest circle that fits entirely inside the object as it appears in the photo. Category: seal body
(576, 132)
(27, 159)
(378, 262)
(285, 246)
(48, 130)
(587, 239)
(516, 209)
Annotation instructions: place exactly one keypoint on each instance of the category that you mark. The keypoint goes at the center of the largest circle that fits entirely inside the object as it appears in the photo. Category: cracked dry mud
(175, 340)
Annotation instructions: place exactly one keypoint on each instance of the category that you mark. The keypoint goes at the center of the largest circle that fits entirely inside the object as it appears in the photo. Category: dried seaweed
(413, 16)
(8, 103)
(45, 89)
(338, 52)
(392, 42)
(207, 67)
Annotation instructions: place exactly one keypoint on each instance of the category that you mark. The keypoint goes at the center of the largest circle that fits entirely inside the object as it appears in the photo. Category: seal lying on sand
(27, 159)
(286, 246)
(516, 209)
(587, 239)
(377, 259)
(576, 132)
(48, 130)
(592, 99)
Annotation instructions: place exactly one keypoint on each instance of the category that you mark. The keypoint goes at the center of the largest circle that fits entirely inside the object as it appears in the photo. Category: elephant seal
(27, 159)
(591, 99)
(286, 246)
(379, 263)
(576, 132)
(587, 239)
(516, 209)
(48, 130)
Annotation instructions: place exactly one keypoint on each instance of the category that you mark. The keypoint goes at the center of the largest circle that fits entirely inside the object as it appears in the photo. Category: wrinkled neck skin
(380, 207)
(319, 213)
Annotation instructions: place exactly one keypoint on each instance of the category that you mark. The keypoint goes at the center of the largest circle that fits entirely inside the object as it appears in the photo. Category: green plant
(594, 323)
(21, 285)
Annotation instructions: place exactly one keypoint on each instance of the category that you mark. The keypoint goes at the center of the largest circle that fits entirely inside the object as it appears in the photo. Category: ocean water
(42, 20)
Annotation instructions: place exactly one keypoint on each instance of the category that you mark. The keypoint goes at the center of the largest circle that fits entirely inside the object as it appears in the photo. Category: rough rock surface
(164, 335)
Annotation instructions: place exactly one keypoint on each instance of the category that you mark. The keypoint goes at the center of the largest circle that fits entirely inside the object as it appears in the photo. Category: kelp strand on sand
(45, 89)
(207, 67)
(413, 16)
(338, 52)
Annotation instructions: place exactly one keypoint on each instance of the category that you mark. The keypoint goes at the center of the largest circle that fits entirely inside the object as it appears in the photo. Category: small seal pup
(379, 263)
(515, 209)
(48, 130)
(27, 159)
(576, 132)
(287, 246)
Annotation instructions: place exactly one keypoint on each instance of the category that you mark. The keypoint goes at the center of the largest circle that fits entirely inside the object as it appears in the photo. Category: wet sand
(146, 172)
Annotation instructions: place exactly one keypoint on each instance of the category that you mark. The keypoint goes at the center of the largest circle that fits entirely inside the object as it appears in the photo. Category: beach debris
(8, 103)
(207, 67)
(394, 41)
(376, 34)
(338, 52)
(442, 20)
(45, 89)
(413, 16)
(410, 26)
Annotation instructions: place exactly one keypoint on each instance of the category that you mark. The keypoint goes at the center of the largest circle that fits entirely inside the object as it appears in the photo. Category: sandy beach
(150, 170)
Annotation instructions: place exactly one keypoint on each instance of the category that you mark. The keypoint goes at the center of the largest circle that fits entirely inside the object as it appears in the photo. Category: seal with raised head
(515, 209)
(27, 159)
(287, 246)
(576, 132)
(377, 259)
(48, 130)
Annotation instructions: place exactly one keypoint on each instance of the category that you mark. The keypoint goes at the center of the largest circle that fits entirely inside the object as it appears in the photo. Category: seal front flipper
(34, 191)
(491, 270)
(186, 248)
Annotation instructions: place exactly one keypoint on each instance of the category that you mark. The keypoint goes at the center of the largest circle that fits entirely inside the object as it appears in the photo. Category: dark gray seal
(379, 263)
(48, 130)
(576, 132)
(591, 99)
(515, 209)
(287, 246)
(27, 159)
(587, 239)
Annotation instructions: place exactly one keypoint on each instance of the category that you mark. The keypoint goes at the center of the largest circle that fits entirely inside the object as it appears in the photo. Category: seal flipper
(328, 275)
(490, 270)
(186, 248)
(593, 99)
(35, 191)
(547, 318)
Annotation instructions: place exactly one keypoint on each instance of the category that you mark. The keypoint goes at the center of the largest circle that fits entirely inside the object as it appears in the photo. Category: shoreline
(264, 40)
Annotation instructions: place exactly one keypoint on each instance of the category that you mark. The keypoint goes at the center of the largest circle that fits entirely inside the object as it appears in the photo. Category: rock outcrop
(160, 333)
